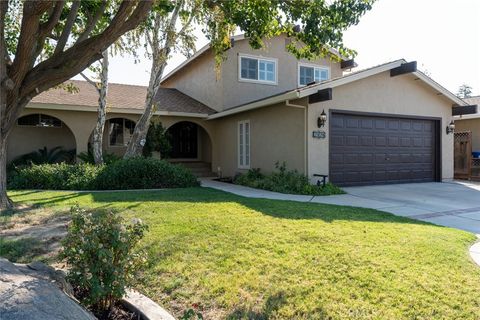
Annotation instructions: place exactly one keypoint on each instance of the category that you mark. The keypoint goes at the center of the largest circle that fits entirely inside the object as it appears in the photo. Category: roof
(207, 47)
(472, 100)
(121, 98)
(118, 95)
(335, 82)
(172, 100)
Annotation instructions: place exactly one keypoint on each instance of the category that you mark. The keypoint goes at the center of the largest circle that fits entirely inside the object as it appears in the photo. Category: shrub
(59, 176)
(43, 156)
(158, 140)
(134, 173)
(144, 173)
(284, 181)
(88, 156)
(99, 250)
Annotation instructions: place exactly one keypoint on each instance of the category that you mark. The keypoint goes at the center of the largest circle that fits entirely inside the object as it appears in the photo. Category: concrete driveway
(455, 204)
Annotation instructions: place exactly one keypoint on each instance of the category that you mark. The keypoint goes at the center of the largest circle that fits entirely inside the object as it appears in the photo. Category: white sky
(443, 36)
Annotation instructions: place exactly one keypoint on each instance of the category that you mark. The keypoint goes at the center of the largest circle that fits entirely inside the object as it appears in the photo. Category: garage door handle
(388, 159)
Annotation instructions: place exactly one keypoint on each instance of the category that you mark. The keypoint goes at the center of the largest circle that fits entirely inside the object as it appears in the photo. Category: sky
(443, 36)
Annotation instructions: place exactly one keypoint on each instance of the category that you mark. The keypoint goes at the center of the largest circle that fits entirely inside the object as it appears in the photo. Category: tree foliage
(464, 91)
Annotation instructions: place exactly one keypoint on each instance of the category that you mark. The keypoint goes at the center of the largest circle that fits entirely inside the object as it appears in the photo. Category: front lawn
(236, 257)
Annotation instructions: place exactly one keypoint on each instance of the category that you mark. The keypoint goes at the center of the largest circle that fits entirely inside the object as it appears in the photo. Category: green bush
(99, 250)
(284, 181)
(134, 173)
(60, 176)
(144, 173)
(88, 156)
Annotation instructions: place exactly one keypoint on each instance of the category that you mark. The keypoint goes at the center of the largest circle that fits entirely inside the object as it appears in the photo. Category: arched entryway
(191, 146)
(38, 131)
(116, 135)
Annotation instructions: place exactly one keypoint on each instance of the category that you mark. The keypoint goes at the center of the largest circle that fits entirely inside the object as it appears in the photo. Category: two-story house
(385, 124)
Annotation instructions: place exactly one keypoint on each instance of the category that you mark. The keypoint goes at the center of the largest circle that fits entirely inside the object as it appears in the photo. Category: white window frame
(314, 66)
(244, 140)
(258, 58)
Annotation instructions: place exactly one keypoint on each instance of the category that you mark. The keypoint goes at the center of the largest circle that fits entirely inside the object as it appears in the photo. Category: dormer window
(310, 73)
(257, 69)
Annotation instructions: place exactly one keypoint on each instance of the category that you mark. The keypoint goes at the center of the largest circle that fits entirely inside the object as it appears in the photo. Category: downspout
(305, 124)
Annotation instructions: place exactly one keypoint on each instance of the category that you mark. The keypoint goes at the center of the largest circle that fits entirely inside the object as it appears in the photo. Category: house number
(319, 134)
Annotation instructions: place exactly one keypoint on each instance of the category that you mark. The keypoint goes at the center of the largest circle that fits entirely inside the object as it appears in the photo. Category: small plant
(191, 314)
(284, 181)
(87, 157)
(158, 140)
(100, 252)
(45, 156)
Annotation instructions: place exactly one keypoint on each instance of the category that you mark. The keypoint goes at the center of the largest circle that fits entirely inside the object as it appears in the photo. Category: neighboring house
(470, 122)
(385, 124)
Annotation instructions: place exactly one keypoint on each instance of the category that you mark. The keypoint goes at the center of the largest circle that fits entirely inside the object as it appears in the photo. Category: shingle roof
(172, 100)
(122, 96)
(473, 100)
(119, 96)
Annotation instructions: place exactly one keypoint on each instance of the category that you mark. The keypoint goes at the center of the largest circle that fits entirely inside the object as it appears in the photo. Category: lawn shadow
(282, 209)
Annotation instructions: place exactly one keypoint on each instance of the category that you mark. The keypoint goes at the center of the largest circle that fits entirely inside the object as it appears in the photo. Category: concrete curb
(475, 251)
(149, 310)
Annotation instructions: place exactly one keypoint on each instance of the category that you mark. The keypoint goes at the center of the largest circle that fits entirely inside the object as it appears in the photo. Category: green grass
(266, 259)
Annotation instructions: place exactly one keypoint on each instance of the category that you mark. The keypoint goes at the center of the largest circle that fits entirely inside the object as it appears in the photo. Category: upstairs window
(308, 74)
(120, 130)
(258, 70)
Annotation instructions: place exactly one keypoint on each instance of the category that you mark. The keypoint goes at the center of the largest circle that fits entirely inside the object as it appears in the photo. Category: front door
(183, 138)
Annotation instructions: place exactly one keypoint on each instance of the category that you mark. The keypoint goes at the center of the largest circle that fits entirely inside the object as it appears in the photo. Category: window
(308, 74)
(258, 70)
(244, 144)
(120, 130)
(39, 120)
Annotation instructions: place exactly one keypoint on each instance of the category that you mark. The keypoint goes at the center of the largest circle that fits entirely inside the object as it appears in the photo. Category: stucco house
(385, 124)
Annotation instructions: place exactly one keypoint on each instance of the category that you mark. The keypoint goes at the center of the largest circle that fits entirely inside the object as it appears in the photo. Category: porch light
(322, 119)
(451, 127)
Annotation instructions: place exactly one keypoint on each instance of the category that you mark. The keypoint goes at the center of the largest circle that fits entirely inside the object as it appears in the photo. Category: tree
(316, 27)
(33, 43)
(162, 37)
(464, 91)
(101, 87)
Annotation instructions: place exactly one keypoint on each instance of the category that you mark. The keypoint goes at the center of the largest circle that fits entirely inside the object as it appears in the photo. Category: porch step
(198, 168)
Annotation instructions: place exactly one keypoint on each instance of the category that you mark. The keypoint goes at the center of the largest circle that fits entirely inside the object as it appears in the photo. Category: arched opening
(189, 142)
(38, 131)
(116, 135)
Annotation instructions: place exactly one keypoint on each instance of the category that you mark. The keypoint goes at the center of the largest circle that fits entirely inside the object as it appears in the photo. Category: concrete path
(453, 204)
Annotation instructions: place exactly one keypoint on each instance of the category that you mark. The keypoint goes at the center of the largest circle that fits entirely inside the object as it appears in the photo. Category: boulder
(36, 291)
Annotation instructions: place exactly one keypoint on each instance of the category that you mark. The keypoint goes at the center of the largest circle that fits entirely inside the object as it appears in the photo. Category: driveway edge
(475, 251)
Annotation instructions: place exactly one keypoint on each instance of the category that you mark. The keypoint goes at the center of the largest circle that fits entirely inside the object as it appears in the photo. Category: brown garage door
(366, 150)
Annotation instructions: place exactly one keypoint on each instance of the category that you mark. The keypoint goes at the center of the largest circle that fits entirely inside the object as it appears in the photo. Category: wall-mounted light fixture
(451, 127)
(322, 119)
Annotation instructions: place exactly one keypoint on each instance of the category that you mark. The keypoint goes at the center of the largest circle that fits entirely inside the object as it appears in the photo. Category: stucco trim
(65, 107)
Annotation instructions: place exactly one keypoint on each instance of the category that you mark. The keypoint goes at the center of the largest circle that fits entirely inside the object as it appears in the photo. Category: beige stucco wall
(381, 93)
(200, 80)
(276, 134)
(472, 125)
(239, 92)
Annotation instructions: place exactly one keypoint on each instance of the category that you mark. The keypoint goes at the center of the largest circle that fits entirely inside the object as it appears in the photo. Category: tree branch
(90, 81)
(72, 15)
(92, 22)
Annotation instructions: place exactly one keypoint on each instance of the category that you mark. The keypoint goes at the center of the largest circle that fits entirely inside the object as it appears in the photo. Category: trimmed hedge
(134, 173)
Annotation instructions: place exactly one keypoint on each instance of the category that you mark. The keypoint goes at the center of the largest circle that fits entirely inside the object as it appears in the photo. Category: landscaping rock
(144, 306)
(36, 291)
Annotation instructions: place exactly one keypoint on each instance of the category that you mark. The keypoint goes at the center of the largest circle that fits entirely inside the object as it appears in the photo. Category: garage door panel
(378, 150)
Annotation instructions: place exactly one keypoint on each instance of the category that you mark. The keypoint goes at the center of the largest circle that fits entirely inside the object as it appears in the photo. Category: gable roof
(121, 98)
(206, 47)
(335, 82)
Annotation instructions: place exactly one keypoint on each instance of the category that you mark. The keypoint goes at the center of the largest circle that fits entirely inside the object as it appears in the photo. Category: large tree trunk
(102, 111)
(5, 84)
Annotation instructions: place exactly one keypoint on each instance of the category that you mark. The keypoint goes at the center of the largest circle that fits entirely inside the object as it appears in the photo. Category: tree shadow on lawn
(283, 209)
